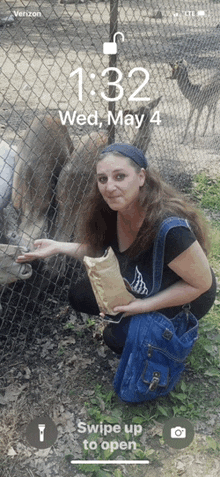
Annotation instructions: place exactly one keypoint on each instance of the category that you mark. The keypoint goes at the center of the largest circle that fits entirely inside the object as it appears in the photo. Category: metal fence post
(112, 63)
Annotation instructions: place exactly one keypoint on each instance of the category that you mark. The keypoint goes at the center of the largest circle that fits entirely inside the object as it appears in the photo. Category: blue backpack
(156, 347)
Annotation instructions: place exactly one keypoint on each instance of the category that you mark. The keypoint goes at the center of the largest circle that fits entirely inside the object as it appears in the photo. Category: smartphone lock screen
(77, 77)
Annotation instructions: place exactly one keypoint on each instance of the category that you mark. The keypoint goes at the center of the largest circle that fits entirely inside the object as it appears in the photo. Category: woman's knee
(115, 335)
(81, 298)
(74, 299)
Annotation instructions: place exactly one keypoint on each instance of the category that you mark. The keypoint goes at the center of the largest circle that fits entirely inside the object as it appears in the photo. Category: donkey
(44, 150)
(74, 181)
(10, 270)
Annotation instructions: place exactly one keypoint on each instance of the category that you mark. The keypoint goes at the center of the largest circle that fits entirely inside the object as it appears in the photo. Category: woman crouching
(125, 209)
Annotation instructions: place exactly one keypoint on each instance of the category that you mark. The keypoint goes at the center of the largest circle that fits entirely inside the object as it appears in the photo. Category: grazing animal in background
(44, 150)
(141, 138)
(10, 270)
(198, 95)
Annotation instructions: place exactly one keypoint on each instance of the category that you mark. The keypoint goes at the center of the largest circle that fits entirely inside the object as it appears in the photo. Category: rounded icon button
(41, 432)
(178, 432)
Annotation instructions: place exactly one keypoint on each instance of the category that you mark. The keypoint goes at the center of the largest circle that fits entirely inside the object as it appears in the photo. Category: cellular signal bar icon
(41, 428)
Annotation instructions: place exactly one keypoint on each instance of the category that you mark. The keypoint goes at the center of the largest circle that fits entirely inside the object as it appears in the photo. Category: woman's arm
(195, 279)
(45, 248)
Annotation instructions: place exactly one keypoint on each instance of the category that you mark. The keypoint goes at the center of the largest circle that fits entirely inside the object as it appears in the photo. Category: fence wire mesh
(159, 92)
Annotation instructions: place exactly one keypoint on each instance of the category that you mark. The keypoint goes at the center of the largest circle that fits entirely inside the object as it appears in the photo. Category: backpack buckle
(167, 334)
(187, 308)
(155, 381)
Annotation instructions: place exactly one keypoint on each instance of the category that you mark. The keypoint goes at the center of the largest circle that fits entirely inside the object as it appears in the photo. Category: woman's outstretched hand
(43, 248)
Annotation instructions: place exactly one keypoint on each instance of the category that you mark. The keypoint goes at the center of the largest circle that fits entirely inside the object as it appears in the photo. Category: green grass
(207, 192)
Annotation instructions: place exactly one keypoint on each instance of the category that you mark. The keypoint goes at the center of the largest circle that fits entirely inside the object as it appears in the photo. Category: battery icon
(200, 13)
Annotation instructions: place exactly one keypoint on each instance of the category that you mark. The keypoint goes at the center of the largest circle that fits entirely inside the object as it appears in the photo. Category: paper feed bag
(107, 283)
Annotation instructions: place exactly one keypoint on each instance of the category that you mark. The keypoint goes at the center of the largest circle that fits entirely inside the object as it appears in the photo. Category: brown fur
(75, 180)
(141, 138)
(42, 153)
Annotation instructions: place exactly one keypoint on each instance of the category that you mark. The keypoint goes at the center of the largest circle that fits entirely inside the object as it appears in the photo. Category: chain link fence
(145, 72)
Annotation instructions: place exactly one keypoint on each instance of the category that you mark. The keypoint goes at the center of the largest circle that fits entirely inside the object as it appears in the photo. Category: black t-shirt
(137, 271)
(178, 239)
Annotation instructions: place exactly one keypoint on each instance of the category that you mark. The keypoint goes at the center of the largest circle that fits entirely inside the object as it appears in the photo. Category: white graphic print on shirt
(138, 285)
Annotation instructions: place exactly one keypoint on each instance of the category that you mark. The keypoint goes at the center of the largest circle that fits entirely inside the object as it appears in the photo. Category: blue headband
(130, 151)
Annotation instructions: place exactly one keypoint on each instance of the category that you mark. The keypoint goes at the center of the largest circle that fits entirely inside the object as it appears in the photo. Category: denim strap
(159, 249)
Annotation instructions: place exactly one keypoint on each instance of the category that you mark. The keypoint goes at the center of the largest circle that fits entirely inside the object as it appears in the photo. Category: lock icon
(110, 47)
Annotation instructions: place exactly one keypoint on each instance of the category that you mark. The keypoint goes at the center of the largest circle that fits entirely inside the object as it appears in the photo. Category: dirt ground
(51, 357)
(56, 375)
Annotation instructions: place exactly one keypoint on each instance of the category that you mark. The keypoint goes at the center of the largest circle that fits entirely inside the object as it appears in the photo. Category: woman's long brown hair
(96, 225)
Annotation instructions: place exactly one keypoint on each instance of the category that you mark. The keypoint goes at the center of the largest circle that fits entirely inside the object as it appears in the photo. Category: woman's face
(118, 182)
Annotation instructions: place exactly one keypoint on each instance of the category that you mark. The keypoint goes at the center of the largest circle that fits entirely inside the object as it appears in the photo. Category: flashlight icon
(41, 428)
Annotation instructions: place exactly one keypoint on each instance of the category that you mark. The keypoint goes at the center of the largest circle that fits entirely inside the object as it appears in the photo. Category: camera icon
(178, 432)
